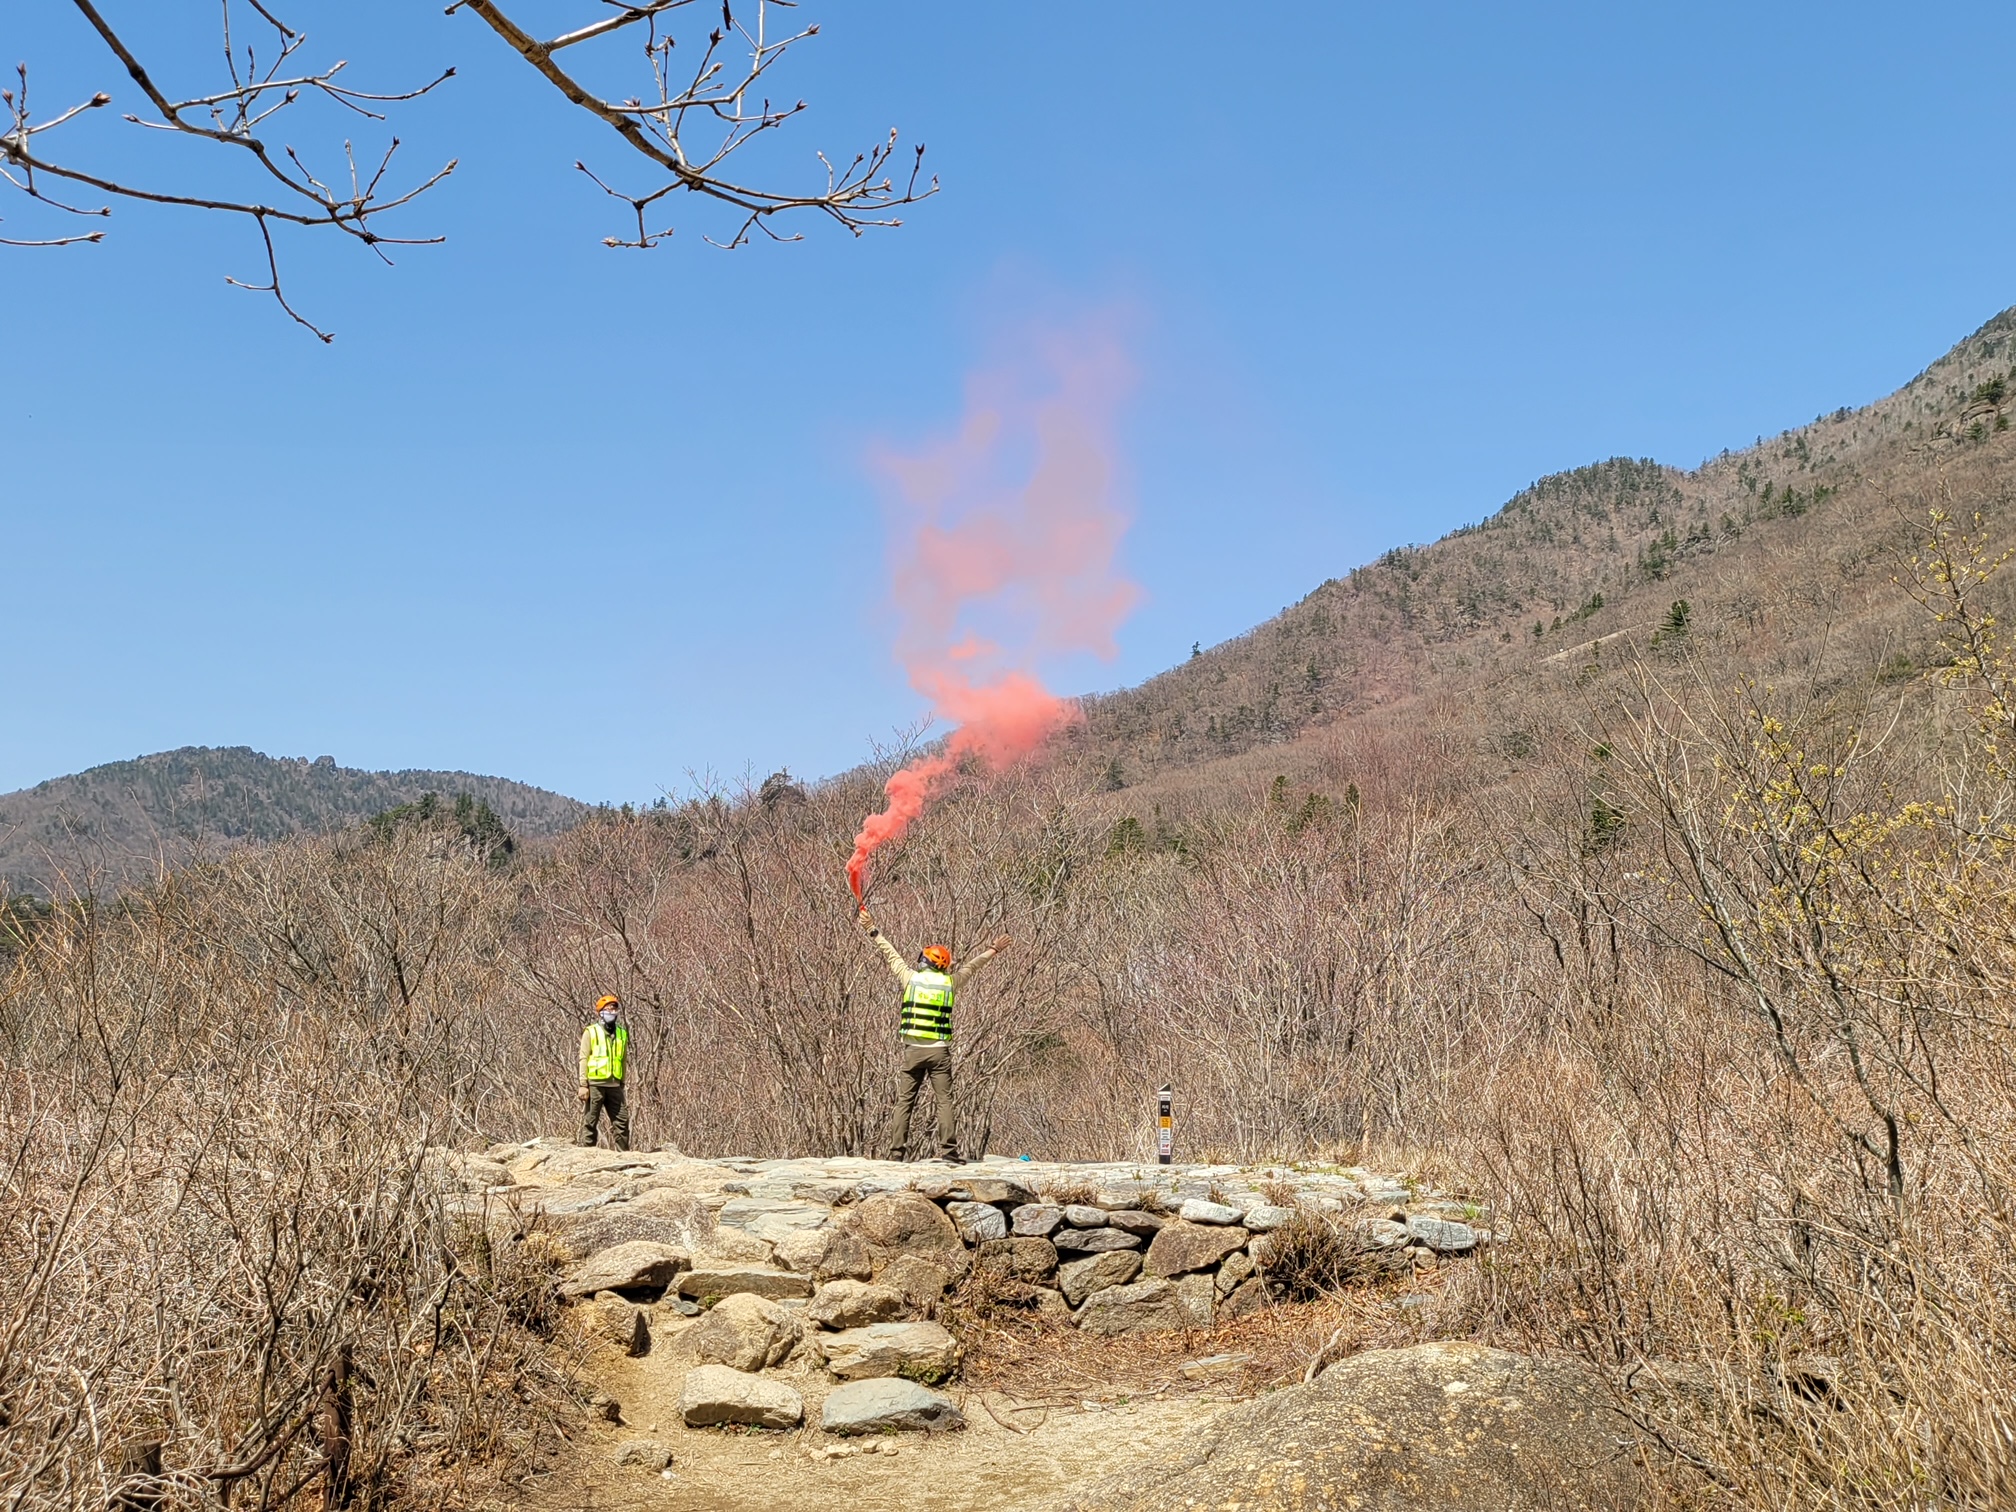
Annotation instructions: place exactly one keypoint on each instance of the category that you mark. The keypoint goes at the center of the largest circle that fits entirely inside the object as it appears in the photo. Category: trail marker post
(1165, 1135)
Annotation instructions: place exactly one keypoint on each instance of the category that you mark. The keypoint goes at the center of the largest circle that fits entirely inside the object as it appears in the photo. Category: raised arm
(898, 967)
(980, 958)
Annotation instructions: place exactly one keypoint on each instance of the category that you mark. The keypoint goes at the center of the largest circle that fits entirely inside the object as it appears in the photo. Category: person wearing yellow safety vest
(924, 1032)
(605, 1046)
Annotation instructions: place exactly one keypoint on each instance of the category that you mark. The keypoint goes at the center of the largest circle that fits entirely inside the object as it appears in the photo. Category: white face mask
(609, 1017)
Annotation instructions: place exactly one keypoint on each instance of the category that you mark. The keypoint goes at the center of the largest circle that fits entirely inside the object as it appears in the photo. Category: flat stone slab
(714, 1394)
(977, 1221)
(888, 1406)
(1081, 1278)
(978, 1189)
(1264, 1218)
(1094, 1241)
(920, 1351)
(703, 1285)
(1198, 1210)
(1183, 1246)
(1442, 1235)
(1150, 1306)
(638, 1265)
(854, 1304)
(1035, 1220)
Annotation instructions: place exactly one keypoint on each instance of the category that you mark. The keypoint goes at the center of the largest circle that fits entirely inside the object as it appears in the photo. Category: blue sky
(598, 519)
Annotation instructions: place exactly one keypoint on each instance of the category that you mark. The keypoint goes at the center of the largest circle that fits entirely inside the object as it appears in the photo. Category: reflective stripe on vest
(927, 1007)
(606, 1052)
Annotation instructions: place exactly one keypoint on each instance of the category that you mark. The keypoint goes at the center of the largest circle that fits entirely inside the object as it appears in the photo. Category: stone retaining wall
(839, 1265)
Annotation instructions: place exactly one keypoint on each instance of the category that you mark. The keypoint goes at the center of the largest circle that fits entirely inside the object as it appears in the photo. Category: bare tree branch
(664, 125)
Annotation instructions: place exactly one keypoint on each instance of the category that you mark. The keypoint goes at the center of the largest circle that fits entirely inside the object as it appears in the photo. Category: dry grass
(1314, 1256)
(1032, 1360)
(1735, 1075)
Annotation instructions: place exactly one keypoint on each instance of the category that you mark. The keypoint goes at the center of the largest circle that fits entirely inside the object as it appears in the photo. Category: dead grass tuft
(1314, 1256)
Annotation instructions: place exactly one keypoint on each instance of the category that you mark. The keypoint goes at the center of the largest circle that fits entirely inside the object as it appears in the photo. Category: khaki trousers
(605, 1096)
(920, 1061)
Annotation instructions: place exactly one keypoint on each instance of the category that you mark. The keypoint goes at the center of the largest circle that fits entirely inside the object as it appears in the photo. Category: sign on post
(1165, 1136)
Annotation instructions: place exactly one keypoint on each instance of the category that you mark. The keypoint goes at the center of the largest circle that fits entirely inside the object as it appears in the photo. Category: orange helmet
(939, 957)
(607, 1000)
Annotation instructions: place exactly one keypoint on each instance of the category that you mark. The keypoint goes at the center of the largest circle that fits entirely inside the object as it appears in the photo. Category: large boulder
(920, 1351)
(715, 1394)
(1422, 1429)
(1081, 1278)
(639, 1265)
(854, 1304)
(893, 1224)
(1183, 1246)
(1150, 1306)
(1032, 1260)
(887, 1406)
(746, 1332)
(708, 1286)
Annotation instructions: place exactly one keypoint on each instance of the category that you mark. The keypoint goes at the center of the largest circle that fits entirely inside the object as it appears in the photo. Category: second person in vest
(924, 1032)
(605, 1046)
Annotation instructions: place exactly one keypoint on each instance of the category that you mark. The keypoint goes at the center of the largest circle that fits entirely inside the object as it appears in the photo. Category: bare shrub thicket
(1764, 1169)
(233, 1273)
(1707, 987)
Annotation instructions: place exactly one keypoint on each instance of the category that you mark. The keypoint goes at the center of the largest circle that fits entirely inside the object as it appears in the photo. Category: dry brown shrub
(1313, 1255)
(236, 1272)
(1071, 1193)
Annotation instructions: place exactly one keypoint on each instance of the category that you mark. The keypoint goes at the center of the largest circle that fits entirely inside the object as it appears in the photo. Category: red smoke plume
(1029, 559)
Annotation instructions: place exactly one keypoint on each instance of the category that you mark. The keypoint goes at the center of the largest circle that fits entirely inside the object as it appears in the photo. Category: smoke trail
(1012, 525)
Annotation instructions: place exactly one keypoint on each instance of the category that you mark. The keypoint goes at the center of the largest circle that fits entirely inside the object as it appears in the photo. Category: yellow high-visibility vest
(927, 1007)
(606, 1052)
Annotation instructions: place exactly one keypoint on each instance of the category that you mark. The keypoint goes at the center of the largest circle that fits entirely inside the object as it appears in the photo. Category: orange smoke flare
(1034, 559)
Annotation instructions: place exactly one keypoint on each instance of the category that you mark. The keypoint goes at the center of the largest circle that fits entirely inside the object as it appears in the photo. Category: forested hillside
(121, 822)
(1774, 545)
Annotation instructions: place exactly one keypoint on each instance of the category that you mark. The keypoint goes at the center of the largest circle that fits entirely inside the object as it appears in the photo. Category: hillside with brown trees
(128, 820)
(1641, 862)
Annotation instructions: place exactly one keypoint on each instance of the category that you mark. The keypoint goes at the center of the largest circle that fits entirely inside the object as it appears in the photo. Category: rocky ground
(772, 1332)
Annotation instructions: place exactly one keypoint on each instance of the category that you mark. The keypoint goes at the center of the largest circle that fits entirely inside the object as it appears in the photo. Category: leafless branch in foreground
(723, 105)
(688, 124)
(230, 118)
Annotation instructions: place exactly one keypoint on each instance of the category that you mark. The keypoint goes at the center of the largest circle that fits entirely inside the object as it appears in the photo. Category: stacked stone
(833, 1269)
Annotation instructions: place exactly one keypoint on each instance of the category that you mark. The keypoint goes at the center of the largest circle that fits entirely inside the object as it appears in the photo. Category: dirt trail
(986, 1467)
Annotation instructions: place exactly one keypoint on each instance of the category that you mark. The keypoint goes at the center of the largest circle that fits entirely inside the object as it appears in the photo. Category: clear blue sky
(594, 519)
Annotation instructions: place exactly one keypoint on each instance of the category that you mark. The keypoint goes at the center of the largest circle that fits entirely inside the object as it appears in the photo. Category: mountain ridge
(116, 823)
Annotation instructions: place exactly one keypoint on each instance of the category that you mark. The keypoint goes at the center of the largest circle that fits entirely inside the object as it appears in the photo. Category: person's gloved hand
(865, 922)
(584, 1092)
(999, 943)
